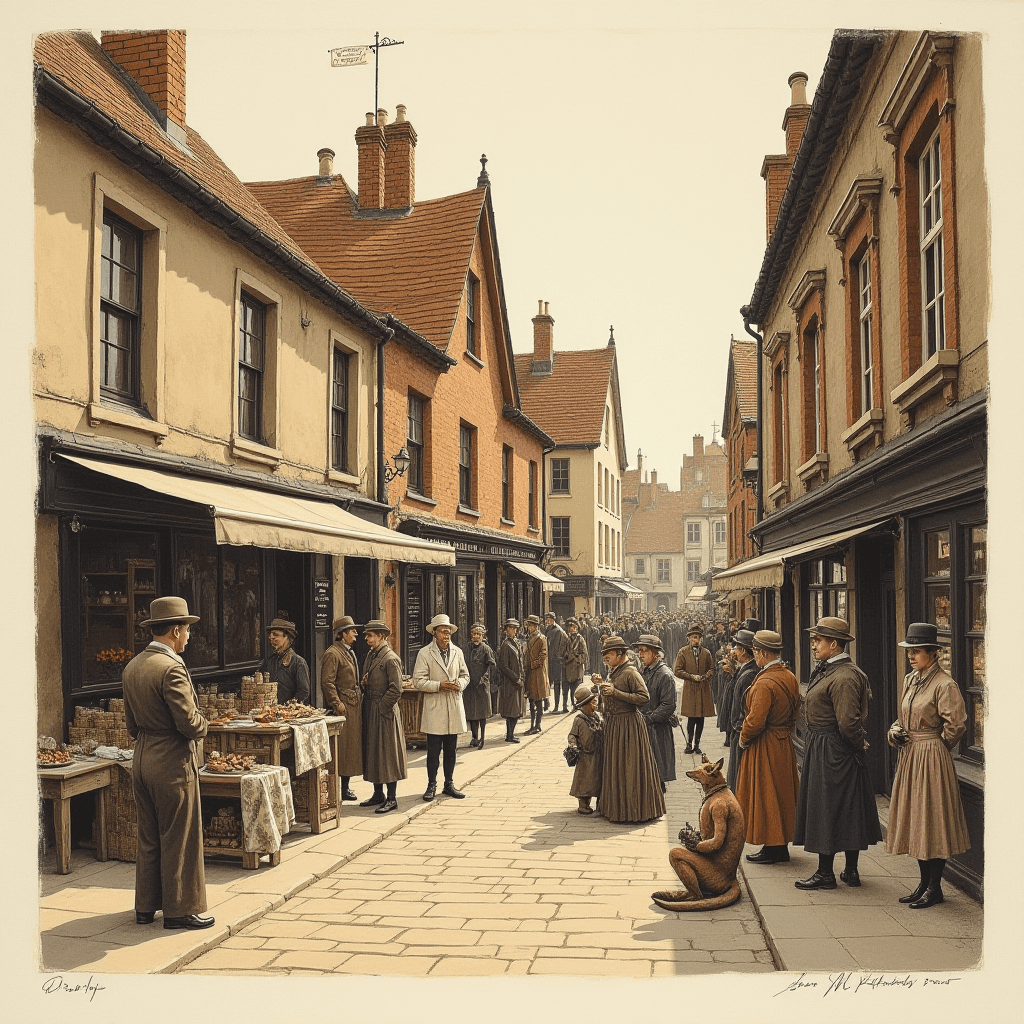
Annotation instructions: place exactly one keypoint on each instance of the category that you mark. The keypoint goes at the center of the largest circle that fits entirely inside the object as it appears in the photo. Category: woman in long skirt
(926, 816)
(476, 698)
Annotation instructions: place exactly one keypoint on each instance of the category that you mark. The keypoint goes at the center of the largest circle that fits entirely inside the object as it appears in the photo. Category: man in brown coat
(162, 717)
(339, 686)
(536, 658)
(768, 779)
(695, 665)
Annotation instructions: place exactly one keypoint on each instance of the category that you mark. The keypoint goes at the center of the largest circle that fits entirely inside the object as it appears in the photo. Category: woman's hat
(832, 628)
(342, 624)
(534, 619)
(480, 626)
(284, 626)
(649, 640)
(583, 694)
(510, 622)
(168, 611)
(441, 620)
(922, 634)
(768, 639)
(613, 643)
(376, 626)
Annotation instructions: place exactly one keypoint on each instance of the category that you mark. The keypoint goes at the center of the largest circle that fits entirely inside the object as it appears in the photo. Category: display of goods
(122, 827)
(257, 691)
(224, 717)
(224, 829)
(229, 763)
(286, 712)
(53, 757)
(115, 656)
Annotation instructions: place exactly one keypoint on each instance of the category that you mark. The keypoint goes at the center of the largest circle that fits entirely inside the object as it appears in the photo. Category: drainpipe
(746, 312)
(382, 487)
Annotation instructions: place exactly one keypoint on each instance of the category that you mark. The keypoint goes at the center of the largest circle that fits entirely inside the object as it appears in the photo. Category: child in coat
(586, 736)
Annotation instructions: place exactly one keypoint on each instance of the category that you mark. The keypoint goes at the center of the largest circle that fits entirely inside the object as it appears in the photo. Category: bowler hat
(376, 626)
(768, 639)
(572, 621)
(510, 622)
(743, 638)
(534, 619)
(753, 624)
(441, 620)
(168, 611)
(695, 630)
(613, 643)
(922, 634)
(344, 623)
(284, 626)
(583, 694)
(832, 628)
(649, 640)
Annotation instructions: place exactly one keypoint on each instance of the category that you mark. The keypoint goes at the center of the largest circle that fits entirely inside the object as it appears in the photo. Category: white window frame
(865, 305)
(693, 573)
(690, 529)
(720, 528)
(663, 570)
(640, 567)
(929, 166)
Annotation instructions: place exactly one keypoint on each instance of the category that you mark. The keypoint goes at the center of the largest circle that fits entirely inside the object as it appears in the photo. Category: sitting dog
(706, 863)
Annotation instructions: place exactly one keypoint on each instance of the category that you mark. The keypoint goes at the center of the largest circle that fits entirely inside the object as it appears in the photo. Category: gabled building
(873, 305)
(430, 270)
(195, 437)
(739, 436)
(574, 396)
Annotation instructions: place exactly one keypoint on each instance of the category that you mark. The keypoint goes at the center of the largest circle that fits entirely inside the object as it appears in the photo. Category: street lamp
(401, 461)
(751, 475)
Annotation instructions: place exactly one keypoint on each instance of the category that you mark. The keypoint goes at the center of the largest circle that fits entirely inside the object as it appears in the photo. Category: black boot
(913, 897)
(510, 731)
(933, 894)
(480, 745)
(347, 792)
(474, 741)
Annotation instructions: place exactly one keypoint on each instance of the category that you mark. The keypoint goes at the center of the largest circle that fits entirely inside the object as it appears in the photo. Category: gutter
(517, 416)
(745, 312)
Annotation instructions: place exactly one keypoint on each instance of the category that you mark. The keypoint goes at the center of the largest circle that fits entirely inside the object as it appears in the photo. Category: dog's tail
(725, 899)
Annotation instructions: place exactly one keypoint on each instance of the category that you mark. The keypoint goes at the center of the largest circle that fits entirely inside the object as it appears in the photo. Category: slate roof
(413, 266)
(569, 402)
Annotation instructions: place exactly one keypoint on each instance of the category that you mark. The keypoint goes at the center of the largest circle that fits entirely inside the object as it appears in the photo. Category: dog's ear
(719, 763)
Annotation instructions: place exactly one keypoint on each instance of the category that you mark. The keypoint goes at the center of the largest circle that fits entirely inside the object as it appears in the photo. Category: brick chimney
(372, 146)
(698, 446)
(399, 162)
(776, 169)
(156, 60)
(543, 341)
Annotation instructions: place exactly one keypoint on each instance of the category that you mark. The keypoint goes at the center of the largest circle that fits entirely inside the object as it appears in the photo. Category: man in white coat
(442, 674)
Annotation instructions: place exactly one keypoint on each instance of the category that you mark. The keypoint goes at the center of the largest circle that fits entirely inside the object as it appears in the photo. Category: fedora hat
(832, 628)
(613, 643)
(744, 638)
(922, 634)
(583, 694)
(168, 611)
(441, 620)
(649, 640)
(342, 624)
(376, 626)
(753, 624)
(768, 639)
(510, 622)
(534, 619)
(284, 626)
(572, 621)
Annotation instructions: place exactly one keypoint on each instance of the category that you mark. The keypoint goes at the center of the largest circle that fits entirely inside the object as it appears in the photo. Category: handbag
(571, 755)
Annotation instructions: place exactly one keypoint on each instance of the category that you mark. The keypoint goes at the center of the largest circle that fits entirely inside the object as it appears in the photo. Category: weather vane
(349, 56)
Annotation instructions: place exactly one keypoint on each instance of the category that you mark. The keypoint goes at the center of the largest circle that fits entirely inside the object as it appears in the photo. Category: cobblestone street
(509, 881)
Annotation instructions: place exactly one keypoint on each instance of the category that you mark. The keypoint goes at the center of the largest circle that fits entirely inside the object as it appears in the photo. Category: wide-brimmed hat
(344, 623)
(613, 643)
(534, 619)
(648, 640)
(583, 694)
(441, 620)
(743, 638)
(510, 622)
(832, 628)
(284, 626)
(694, 630)
(168, 611)
(768, 639)
(376, 626)
(922, 634)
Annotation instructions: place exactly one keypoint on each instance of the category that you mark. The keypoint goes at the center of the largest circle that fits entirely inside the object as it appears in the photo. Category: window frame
(560, 537)
(248, 368)
(639, 566)
(663, 570)
(721, 534)
(416, 446)
(931, 244)
(467, 460)
(532, 495)
(556, 466)
(693, 528)
(472, 315)
(507, 484)
(340, 440)
(865, 316)
(114, 308)
(693, 573)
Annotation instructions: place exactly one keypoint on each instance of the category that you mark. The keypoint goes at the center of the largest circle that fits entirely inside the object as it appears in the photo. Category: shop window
(663, 568)
(560, 477)
(560, 536)
(414, 442)
(339, 410)
(120, 310)
(827, 589)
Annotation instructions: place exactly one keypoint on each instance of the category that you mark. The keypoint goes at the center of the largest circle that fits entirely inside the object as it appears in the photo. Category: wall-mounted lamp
(401, 464)
(305, 321)
(751, 474)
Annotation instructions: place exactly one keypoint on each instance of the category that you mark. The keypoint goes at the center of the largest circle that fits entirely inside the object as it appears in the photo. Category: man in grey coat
(556, 639)
(659, 711)
(162, 717)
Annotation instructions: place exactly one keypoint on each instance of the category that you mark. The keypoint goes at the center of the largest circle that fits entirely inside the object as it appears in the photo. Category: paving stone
(517, 952)
(316, 907)
(364, 963)
(243, 942)
(293, 943)
(794, 923)
(733, 956)
(354, 933)
(498, 911)
(392, 907)
(435, 922)
(856, 922)
(231, 959)
(439, 936)
(510, 938)
(308, 959)
(914, 953)
(819, 954)
(275, 929)
(459, 967)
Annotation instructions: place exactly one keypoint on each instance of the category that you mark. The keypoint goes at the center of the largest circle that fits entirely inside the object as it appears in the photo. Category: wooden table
(278, 737)
(59, 785)
(230, 786)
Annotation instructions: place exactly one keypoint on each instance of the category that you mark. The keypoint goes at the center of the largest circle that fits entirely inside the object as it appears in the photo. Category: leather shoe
(913, 897)
(511, 739)
(430, 792)
(450, 790)
(689, 748)
(817, 881)
(192, 921)
(851, 876)
(372, 801)
(766, 856)
(388, 805)
(144, 916)
(349, 794)
(929, 899)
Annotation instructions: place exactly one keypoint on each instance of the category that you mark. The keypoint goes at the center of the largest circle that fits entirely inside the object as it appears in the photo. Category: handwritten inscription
(58, 984)
(847, 981)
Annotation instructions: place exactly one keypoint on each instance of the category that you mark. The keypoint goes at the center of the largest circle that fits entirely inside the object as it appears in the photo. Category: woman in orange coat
(768, 782)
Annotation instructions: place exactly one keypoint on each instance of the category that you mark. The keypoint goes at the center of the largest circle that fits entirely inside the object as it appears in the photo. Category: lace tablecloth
(312, 745)
(267, 808)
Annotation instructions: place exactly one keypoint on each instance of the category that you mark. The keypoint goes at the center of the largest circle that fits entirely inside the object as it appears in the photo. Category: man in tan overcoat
(162, 717)
(695, 665)
(537, 686)
(339, 686)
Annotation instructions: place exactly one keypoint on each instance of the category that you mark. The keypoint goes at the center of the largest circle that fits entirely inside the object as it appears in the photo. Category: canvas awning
(548, 583)
(769, 570)
(698, 594)
(244, 516)
(627, 588)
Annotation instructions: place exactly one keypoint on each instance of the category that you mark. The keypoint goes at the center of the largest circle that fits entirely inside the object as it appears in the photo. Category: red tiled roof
(659, 528)
(744, 372)
(569, 402)
(77, 60)
(413, 266)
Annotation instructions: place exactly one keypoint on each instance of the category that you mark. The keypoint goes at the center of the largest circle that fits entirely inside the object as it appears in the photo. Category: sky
(624, 143)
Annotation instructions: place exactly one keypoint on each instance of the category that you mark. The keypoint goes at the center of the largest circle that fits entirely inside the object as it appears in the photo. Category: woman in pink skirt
(926, 817)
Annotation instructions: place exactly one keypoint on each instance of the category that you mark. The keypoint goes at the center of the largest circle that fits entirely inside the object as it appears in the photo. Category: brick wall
(156, 60)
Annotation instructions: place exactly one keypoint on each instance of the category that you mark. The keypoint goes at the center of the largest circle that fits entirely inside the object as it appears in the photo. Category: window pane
(196, 581)
(841, 604)
(241, 594)
(938, 606)
(938, 553)
(816, 573)
(977, 591)
(979, 542)
(838, 572)
(978, 662)
(978, 720)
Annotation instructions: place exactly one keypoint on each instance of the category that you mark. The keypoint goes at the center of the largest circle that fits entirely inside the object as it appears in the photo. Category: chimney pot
(546, 309)
(382, 117)
(400, 113)
(326, 158)
(540, 307)
(798, 85)
(369, 119)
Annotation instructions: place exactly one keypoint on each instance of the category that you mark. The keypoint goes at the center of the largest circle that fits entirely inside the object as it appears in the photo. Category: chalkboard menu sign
(321, 604)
